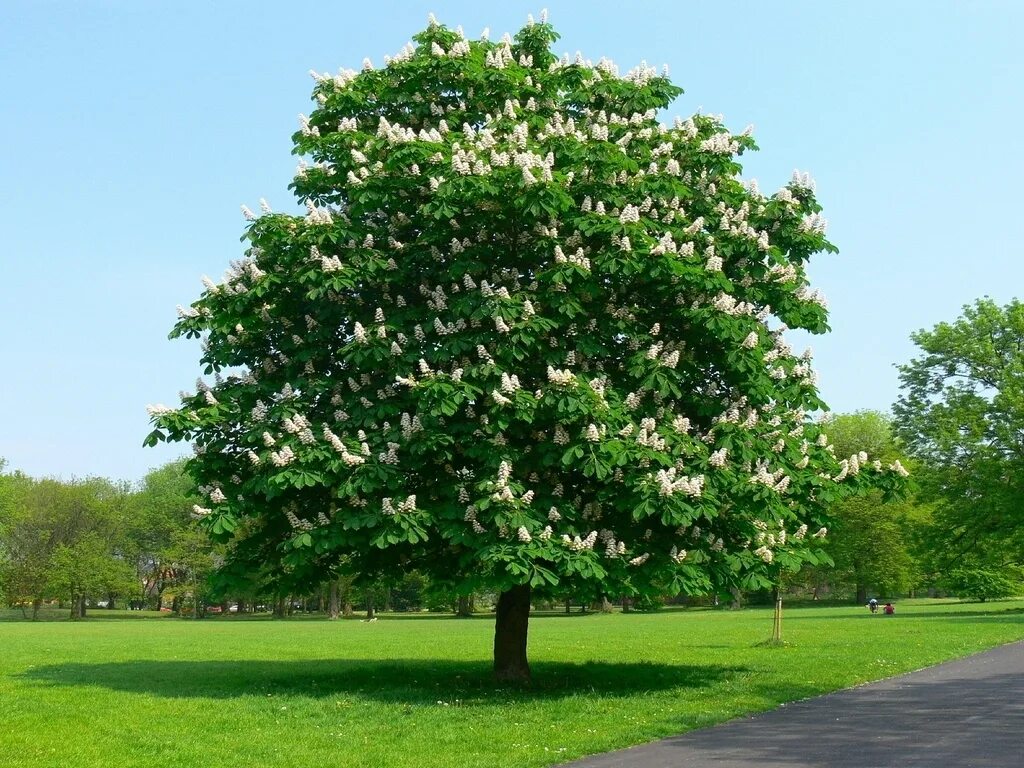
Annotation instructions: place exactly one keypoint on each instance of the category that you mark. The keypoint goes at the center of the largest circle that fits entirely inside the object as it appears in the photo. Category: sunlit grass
(417, 691)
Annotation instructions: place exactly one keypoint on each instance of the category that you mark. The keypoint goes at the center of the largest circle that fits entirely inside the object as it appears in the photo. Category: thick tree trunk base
(510, 634)
(335, 601)
(464, 608)
(737, 599)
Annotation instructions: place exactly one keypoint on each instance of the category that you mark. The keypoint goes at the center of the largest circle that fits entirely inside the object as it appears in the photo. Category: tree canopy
(961, 413)
(525, 336)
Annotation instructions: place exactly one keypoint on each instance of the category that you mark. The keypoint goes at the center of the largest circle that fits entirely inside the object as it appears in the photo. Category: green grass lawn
(416, 691)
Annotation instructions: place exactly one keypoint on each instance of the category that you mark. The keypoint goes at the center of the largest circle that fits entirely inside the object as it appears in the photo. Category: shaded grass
(418, 693)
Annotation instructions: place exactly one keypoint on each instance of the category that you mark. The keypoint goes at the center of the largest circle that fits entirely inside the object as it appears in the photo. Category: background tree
(871, 539)
(979, 583)
(73, 519)
(961, 413)
(192, 557)
(525, 338)
(84, 569)
(161, 509)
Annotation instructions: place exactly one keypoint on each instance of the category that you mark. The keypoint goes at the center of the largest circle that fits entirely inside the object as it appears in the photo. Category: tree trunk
(777, 624)
(464, 609)
(279, 607)
(333, 609)
(510, 632)
(602, 606)
(347, 609)
(568, 605)
(371, 608)
(78, 607)
(862, 594)
(737, 599)
(36, 605)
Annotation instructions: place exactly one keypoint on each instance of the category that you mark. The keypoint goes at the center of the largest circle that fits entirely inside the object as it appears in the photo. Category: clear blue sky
(132, 131)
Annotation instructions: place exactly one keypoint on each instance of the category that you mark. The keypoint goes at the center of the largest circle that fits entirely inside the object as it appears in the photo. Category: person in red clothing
(889, 609)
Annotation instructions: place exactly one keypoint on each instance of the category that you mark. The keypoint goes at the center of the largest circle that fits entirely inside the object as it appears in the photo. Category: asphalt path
(965, 713)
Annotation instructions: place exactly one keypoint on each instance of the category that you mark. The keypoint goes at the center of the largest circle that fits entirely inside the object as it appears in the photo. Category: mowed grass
(416, 691)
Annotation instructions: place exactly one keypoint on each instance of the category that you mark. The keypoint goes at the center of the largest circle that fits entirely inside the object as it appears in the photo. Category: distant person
(873, 605)
(889, 609)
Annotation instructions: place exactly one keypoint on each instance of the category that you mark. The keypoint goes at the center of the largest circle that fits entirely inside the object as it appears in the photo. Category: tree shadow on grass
(400, 681)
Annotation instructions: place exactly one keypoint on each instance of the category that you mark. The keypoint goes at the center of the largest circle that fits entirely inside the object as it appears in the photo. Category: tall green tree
(51, 517)
(85, 568)
(871, 538)
(162, 508)
(961, 413)
(525, 338)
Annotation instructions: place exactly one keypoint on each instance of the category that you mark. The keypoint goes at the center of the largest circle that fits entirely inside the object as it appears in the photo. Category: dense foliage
(961, 413)
(93, 540)
(525, 334)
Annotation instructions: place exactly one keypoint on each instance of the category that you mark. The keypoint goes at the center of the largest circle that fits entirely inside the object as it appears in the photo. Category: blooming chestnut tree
(525, 337)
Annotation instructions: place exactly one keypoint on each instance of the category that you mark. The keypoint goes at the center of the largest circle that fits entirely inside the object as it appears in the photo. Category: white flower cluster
(299, 426)
(350, 459)
(578, 258)
(728, 304)
(410, 425)
(677, 555)
(648, 435)
(778, 480)
(802, 180)
(814, 222)
(158, 410)
(470, 517)
(576, 544)
(899, 469)
(389, 509)
(283, 457)
(502, 492)
(198, 511)
(561, 378)
(851, 466)
(317, 215)
(296, 522)
(669, 484)
(529, 160)
(813, 296)
(390, 456)
(499, 57)
(721, 144)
